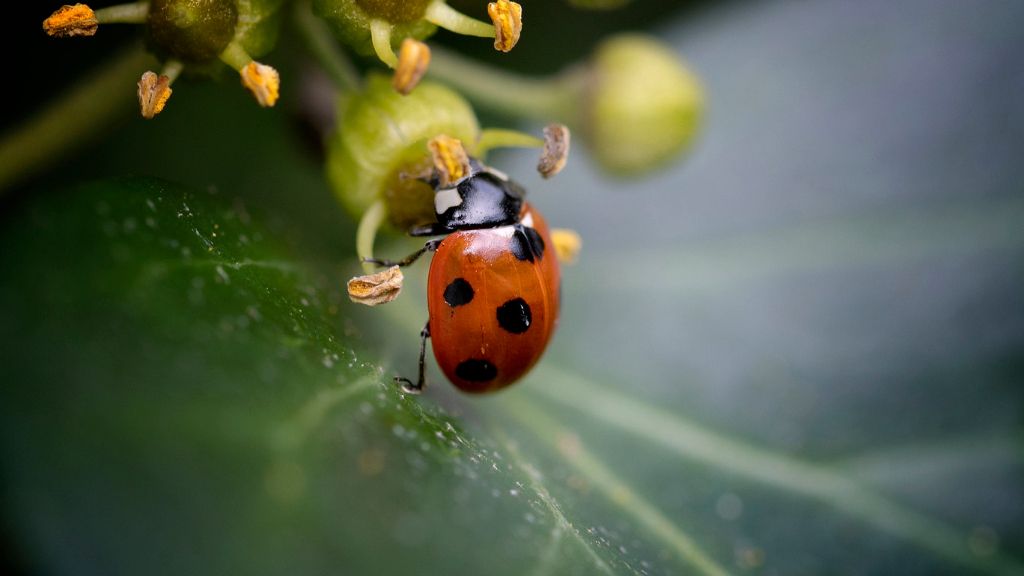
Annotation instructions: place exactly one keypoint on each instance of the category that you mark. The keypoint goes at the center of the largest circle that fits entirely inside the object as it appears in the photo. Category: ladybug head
(484, 198)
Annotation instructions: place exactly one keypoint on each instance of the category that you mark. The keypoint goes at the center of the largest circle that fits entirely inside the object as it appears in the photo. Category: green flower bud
(643, 106)
(198, 31)
(349, 20)
(191, 30)
(197, 34)
(380, 147)
(258, 24)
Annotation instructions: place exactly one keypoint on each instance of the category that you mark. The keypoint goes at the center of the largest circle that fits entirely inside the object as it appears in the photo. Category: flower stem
(135, 13)
(366, 233)
(491, 138)
(448, 18)
(550, 98)
(325, 49)
(234, 55)
(172, 69)
(71, 120)
(380, 35)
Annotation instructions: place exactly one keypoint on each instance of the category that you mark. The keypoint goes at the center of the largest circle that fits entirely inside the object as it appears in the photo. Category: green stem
(325, 49)
(380, 36)
(367, 232)
(491, 138)
(70, 121)
(172, 69)
(235, 56)
(135, 13)
(551, 98)
(446, 17)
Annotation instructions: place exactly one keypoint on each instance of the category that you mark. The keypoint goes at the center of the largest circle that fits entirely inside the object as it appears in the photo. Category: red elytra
(493, 307)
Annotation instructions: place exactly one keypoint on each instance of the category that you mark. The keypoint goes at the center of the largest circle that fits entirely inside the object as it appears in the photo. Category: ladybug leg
(430, 246)
(407, 384)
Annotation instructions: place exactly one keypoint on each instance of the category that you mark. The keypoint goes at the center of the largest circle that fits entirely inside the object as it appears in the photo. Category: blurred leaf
(179, 401)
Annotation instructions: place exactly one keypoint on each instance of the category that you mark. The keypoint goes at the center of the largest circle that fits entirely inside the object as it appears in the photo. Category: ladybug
(493, 288)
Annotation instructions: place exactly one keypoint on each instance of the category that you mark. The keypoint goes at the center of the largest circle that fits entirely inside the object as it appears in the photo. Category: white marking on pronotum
(527, 220)
(501, 175)
(445, 199)
(505, 231)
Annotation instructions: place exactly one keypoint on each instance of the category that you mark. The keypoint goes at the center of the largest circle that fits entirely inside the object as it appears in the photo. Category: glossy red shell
(471, 331)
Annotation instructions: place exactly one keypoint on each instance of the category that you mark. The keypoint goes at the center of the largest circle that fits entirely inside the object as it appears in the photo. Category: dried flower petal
(567, 244)
(413, 61)
(77, 20)
(556, 150)
(375, 289)
(153, 93)
(508, 23)
(450, 159)
(263, 81)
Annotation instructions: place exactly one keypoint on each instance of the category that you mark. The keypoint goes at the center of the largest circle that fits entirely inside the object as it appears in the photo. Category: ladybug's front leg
(407, 384)
(430, 246)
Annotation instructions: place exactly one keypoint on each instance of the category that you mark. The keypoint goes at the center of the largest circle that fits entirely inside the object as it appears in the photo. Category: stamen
(556, 150)
(376, 289)
(508, 23)
(153, 93)
(68, 21)
(263, 81)
(567, 244)
(450, 159)
(413, 61)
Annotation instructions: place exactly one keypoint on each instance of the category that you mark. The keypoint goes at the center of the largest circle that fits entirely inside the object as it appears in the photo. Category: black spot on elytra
(520, 245)
(526, 243)
(476, 370)
(459, 292)
(536, 242)
(514, 316)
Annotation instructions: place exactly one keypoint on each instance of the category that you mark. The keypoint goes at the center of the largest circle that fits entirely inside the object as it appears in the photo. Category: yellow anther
(77, 20)
(450, 159)
(263, 81)
(567, 244)
(153, 93)
(556, 150)
(375, 289)
(413, 61)
(508, 23)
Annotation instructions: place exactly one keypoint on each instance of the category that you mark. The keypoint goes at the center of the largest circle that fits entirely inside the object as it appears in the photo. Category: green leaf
(180, 401)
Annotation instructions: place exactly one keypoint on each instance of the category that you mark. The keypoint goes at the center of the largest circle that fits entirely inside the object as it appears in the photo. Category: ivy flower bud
(380, 26)
(643, 107)
(191, 31)
(380, 147)
(199, 34)
(350, 20)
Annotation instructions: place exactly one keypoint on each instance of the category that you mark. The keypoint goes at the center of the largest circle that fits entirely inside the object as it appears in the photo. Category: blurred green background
(798, 351)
